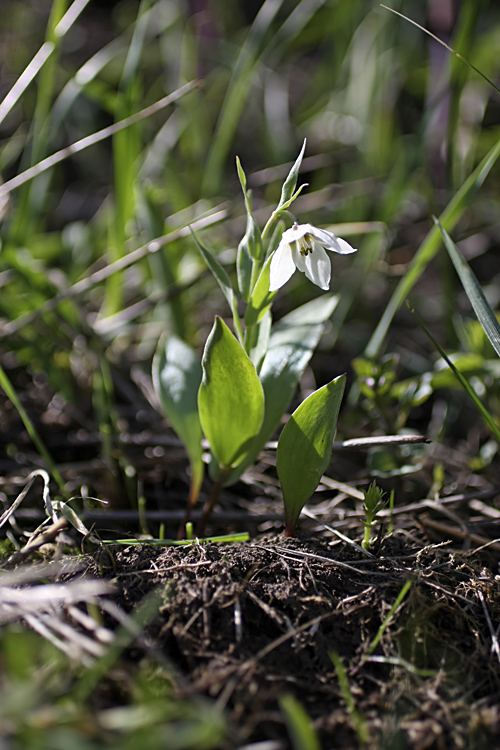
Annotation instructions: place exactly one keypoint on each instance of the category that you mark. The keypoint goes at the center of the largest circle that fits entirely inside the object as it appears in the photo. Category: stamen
(304, 246)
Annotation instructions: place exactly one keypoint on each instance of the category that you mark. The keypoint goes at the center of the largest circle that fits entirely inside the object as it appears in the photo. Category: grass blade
(30, 429)
(390, 615)
(461, 378)
(446, 46)
(357, 718)
(90, 140)
(480, 304)
(430, 246)
(299, 724)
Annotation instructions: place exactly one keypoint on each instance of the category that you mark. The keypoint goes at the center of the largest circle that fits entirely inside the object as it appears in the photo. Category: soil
(397, 650)
(246, 624)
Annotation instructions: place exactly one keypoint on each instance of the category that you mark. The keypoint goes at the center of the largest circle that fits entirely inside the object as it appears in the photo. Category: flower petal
(297, 232)
(331, 241)
(326, 238)
(341, 246)
(318, 268)
(282, 266)
(298, 258)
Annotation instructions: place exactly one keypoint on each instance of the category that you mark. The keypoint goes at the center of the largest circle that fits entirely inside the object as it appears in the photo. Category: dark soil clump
(246, 624)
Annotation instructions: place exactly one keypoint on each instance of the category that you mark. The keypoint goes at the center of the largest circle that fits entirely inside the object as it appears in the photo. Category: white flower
(302, 247)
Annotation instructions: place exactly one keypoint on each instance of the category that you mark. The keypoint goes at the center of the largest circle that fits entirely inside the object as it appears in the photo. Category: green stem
(251, 336)
(366, 541)
(237, 322)
(212, 499)
(272, 220)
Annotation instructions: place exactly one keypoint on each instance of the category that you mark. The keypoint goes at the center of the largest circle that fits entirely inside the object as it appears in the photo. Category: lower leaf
(305, 447)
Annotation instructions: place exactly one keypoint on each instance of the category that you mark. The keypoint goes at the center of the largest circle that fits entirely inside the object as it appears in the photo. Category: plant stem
(212, 499)
(366, 541)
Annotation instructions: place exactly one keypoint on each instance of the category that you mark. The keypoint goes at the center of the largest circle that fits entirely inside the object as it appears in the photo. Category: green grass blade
(461, 379)
(222, 539)
(30, 429)
(481, 306)
(390, 615)
(46, 85)
(237, 95)
(131, 628)
(300, 728)
(430, 246)
(26, 218)
(447, 46)
(261, 42)
(357, 718)
(126, 150)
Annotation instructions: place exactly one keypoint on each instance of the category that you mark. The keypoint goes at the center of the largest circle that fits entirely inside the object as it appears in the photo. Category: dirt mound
(247, 624)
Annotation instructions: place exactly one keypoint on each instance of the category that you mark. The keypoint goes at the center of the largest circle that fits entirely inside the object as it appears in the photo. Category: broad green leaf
(261, 299)
(288, 189)
(230, 399)
(305, 447)
(217, 270)
(430, 246)
(176, 379)
(480, 304)
(291, 344)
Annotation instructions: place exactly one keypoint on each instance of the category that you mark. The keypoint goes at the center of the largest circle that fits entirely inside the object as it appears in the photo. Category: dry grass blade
(90, 140)
(19, 499)
(85, 284)
(16, 603)
(37, 540)
(40, 58)
(49, 608)
(495, 645)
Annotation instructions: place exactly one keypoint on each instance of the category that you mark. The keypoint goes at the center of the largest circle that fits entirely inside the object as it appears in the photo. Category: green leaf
(288, 189)
(291, 344)
(244, 268)
(480, 304)
(261, 299)
(230, 399)
(217, 270)
(250, 247)
(305, 447)
(258, 352)
(176, 379)
(252, 238)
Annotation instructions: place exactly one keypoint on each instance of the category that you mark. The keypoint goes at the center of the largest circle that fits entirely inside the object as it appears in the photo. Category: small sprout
(372, 505)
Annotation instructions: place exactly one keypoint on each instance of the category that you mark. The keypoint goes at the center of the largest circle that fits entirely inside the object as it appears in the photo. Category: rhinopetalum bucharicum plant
(238, 394)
